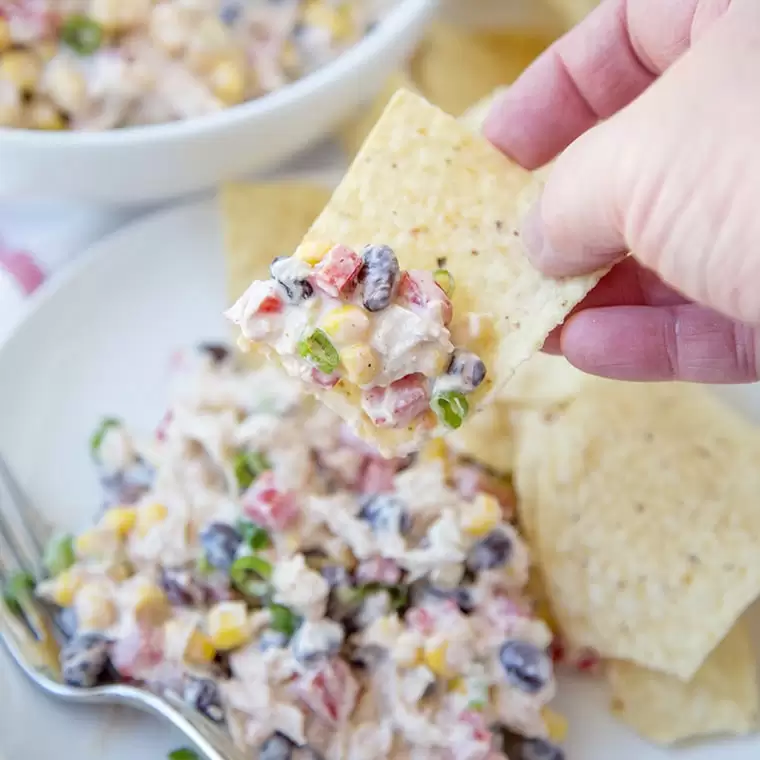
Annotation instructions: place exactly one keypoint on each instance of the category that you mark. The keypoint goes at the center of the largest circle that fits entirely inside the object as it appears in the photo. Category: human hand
(672, 173)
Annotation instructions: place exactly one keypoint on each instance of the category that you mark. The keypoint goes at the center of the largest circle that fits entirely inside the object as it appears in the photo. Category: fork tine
(16, 517)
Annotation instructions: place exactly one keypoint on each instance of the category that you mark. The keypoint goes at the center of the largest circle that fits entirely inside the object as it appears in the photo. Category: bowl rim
(400, 16)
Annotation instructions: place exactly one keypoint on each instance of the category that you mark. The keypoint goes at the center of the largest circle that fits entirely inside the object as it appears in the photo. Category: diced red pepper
(409, 397)
(400, 403)
(377, 475)
(330, 691)
(476, 720)
(270, 304)
(378, 570)
(323, 380)
(136, 654)
(338, 271)
(268, 505)
(420, 620)
(418, 288)
(163, 426)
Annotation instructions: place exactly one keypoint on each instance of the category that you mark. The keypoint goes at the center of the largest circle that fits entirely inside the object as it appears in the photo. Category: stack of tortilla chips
(639, 501)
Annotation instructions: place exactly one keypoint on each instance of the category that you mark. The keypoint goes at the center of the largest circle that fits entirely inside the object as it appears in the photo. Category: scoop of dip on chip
(334, 315)
(366, 311)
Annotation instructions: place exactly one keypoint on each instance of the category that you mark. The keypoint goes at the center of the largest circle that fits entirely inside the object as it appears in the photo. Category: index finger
(592, 72)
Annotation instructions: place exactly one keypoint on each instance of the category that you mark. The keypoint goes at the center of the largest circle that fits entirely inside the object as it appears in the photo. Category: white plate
(96, 342)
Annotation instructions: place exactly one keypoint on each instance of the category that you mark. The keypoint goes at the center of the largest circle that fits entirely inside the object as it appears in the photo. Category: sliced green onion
(445, 281)
(82, 34)
(283, 620)
(96, 440)
(253, 535)
(451, 408)
(59, 554)
(250, 575)
(248, 466)
(184, 753)
(18, 588)
(319, 351)
(398, 593)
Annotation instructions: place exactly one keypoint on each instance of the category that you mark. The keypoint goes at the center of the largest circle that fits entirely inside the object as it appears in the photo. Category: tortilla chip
(454, 66)
(262, 221)
(486, 438)
(722, 698)
(439, 195)
(541, 382)
(354, 132)
(640, 502)
(572, 11)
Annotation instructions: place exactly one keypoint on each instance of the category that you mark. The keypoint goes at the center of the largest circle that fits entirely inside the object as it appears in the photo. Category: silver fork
(33, 641)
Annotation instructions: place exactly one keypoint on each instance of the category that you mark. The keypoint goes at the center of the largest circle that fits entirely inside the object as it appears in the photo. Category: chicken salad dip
(257, 559)
(344, 320)
(101, 64)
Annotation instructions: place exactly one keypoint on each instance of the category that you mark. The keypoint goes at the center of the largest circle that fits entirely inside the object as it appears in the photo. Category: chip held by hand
(411, 298)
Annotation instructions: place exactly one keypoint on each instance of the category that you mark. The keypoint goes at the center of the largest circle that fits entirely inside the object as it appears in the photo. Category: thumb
(576, 224)
(673, 177)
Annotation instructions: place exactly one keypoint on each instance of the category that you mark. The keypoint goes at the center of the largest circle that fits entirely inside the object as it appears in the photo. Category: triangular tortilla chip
(640, 502)
(440, 195)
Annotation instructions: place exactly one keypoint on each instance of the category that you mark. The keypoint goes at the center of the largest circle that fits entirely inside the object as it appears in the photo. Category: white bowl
(151, 163)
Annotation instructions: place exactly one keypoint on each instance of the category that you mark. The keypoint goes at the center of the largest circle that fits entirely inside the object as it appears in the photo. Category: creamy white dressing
(398, 707)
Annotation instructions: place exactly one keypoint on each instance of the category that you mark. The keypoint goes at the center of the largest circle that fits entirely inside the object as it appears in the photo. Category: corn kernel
(149, 603)
(556, 725)
(457, 685)
(150, 515)
(289, 57)
(5, 35)
(94, 607)
(93, 544)
(65, 587)
(228, 626)
(433, 451)
(346, 324)
(312, 253)
(120, 571)
(46, 51)
(199, 649)
(66, 86)
(360, 363)
(21, 68)
(11, 113)
(120, 520)
(336, 20)
(228, 82)
(42, 114)
(483, 516)
(435, 659)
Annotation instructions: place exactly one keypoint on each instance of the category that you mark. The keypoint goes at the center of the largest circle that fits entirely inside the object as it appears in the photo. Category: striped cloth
(37, 241)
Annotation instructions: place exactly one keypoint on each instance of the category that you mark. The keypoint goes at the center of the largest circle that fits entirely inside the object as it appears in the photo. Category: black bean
(181, 587)
(217, 352)
(203, 695)
(84, 660)
(296, 288)
(335, 575)
(527, 667)
(127, 486)
(517, 747)
(277, 747)
(280, 747)
(271, 639)
(317, 640)
(386, 514)
(492, 551)
(220, 543)
(381, 271)
(468, 369)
